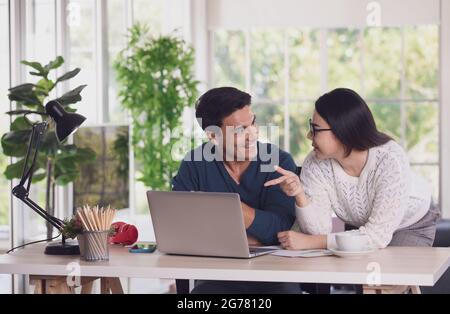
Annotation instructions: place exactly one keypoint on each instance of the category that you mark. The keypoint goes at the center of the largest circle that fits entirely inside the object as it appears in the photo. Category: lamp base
(59, 248)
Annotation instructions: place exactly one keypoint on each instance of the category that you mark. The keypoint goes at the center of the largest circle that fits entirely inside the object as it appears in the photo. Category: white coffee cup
(352, 241)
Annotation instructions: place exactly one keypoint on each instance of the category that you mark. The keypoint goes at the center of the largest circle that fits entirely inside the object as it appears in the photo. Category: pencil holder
(94, 245)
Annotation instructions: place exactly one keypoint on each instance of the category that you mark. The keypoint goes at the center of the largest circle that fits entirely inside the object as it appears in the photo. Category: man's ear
(212, 137)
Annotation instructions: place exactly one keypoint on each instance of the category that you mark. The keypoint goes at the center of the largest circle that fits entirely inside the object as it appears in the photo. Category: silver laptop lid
(198, 223)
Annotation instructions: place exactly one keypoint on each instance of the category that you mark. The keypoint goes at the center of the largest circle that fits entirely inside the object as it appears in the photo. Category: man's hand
(248, 213)
(252, 241)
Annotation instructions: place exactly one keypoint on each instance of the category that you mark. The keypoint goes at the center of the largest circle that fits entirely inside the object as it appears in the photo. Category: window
(150, 13)
(92, 34)
(80, 19)
(395, 69)
(5, 192)
(39, 46)
(5, 185)
(118, 23)
(105, 181)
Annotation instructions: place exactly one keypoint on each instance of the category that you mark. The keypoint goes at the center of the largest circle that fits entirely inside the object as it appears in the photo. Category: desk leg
(50, 285)
(391, 289)
(58, 285)
(110, 285)
(39, 285)
(86, 284)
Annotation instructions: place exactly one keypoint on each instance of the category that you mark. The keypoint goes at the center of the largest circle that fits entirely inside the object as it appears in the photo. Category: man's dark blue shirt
(274, 210)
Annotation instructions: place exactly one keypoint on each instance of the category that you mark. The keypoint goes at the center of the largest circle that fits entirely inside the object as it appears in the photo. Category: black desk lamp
(66, 124)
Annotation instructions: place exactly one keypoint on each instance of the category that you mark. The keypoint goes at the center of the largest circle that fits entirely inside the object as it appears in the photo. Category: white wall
(232, 14)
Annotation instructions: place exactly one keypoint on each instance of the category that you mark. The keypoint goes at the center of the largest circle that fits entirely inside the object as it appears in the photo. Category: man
(234, 161)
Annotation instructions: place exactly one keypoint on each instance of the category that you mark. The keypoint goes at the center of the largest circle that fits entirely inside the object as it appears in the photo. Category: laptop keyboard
(255, 250)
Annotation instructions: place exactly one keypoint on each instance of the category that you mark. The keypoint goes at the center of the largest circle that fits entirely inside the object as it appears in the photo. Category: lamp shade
(66, 122)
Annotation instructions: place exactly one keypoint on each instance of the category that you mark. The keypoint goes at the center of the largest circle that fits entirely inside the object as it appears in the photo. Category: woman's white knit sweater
(385, 197)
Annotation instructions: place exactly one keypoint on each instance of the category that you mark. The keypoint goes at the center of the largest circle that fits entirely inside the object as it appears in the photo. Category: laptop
(200, 223)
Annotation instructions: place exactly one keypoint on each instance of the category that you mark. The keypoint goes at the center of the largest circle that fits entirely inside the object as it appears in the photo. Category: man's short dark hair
(217, 103)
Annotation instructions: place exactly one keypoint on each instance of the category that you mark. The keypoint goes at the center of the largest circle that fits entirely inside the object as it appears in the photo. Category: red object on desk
(126, 234)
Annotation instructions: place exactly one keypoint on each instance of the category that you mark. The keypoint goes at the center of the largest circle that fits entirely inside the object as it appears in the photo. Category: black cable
(34, 242)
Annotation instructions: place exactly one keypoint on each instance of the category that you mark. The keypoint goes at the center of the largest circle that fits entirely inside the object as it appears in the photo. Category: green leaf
(20, 123)
(22, 111)
(45, 86)
(14, 149)
(68, 75)
(72, 96)
(54, 64)
(50, 144)
(39, 177)
(27, 87)
(69, 148)
(85, 155)
(68, 109)
(66, 178)
(24, 93)
(36, 73)
(17, 137)
(14, 170)
(66, 164)
(37, 66)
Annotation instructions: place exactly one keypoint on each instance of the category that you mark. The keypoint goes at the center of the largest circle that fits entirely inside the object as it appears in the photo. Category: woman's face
(324, 142)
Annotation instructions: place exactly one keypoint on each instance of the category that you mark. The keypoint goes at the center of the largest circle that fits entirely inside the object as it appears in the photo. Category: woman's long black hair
(350, 119)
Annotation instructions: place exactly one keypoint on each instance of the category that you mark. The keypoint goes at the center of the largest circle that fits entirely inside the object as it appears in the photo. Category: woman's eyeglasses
(314, 130)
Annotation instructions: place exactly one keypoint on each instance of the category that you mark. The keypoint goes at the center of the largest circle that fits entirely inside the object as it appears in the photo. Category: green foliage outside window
(371, 61)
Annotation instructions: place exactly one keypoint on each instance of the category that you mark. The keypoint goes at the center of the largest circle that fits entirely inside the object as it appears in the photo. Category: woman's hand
(290, 184)
(293, 240)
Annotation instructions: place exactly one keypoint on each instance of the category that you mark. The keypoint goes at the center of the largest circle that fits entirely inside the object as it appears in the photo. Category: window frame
(443, 100)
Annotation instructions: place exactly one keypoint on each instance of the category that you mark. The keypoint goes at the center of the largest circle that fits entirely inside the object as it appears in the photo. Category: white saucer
(351, 253)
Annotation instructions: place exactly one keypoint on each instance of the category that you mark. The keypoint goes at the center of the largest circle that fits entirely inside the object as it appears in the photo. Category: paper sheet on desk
(302, 253)
(298, 253)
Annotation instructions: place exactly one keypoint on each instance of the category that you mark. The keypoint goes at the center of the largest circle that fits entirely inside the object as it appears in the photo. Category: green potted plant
(156, 83)
(57, 162)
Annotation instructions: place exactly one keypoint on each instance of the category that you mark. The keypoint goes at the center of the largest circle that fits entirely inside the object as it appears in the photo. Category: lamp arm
(37, 132)
(58, 224)
(22, 192)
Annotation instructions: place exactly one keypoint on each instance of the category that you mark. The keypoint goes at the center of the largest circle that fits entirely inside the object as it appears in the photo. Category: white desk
(412, 266)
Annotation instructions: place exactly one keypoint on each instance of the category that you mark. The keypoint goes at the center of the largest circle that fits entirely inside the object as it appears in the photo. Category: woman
(359, 173)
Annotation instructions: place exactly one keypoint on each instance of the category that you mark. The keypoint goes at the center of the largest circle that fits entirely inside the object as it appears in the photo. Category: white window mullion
(64, 194)
(102, 59)
(361, 61)
(131, 163)
(248, 64)
(444, 97)
(403, 115)
(286, 92)
(129, 14)
(323, 60)
(17, 76)
(201, 41)
(210, 59)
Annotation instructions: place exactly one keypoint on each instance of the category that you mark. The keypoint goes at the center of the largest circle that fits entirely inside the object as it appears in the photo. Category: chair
(182, 286)
(442, 239)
